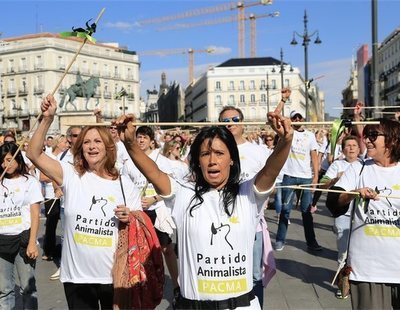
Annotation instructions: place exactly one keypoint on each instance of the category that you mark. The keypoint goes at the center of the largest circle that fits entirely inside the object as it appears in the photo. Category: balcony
(11, 92)
(107, 95)
(10, 70)
(131, 96)
(130, 77)
(38, 66)
(97, 94)
(22, 92)
(23, 113)
(38, 90)
(23, 69)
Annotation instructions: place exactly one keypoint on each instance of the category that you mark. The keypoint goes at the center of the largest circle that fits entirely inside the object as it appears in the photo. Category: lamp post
(267, 93)
(306, 40)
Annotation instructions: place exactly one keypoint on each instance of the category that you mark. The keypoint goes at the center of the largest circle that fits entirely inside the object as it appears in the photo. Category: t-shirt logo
(98, 202)
(223, 231)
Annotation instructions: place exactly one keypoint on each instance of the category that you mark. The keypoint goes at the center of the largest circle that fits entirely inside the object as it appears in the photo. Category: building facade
(253, 85)
(389, 69)
(31, 66)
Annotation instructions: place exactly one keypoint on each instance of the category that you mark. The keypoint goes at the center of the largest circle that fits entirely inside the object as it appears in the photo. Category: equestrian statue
(85, 89)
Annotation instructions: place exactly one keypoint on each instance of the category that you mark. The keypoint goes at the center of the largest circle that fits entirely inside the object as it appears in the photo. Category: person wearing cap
(301, 167)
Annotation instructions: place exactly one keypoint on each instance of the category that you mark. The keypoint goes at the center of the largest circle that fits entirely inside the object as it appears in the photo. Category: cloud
(124, 26)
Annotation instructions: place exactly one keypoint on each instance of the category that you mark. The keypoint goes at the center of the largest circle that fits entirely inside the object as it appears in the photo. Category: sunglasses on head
(372, 135)
(235, 119)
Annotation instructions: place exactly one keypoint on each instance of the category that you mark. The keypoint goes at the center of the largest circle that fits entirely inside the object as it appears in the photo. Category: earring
(231, 163)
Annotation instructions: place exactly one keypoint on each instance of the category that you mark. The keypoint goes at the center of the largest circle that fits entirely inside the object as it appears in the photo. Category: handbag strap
(122, 189)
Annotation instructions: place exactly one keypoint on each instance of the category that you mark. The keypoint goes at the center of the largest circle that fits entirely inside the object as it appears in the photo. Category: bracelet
(284, 100)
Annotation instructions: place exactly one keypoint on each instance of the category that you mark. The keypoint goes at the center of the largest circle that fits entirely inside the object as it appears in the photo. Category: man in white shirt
(300, 168)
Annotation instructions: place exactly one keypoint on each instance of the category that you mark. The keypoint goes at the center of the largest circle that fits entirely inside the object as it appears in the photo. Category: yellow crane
(229, 19)
(240, 6)
(185, 51)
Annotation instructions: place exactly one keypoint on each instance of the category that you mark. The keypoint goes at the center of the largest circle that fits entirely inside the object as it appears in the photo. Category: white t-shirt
(140, 180)
(180, 169)
(298, 163)
(374, 252)
(216, 251)
(16, 197)
(48, 186)
(122, 155)
(91, 227)
(252, 159)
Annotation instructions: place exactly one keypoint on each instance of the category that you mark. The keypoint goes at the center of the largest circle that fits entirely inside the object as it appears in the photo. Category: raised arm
(49, 166)
(282, 126)
(147, 167)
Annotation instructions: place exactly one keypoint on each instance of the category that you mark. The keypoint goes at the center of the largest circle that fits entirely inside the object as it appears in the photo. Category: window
(116, 72)
(218, 100)
(60, 63)
(217, 85)
(252, 98)
(287, 83)
(24, 66)
(241, 87)
(95, 68)
(242, 99)
(263, 98)
(273, 84)
(38, 62)
(252, 85)
(11, 65)
(262, 84)
(231, 99)
(231, 85)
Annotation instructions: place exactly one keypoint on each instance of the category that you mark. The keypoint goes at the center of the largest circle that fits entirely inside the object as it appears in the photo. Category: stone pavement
(302, 280)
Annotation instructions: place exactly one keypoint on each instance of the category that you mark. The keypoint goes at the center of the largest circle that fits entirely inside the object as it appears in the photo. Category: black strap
(122, 189)
(63, 154)
(230, 303)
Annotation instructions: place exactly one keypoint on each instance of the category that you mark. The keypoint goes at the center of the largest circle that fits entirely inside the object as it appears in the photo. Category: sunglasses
(113, 127)
(268, 140)
(75, 135)
(372, 135)
(235, 119)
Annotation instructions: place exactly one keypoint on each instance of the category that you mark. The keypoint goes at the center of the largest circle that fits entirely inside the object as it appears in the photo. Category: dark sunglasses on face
(372, 135)
(268, 139)
(113, 127)
(75, 135)
(235, 119)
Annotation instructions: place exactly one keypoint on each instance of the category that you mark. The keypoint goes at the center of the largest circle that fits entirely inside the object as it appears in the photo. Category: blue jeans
(288, 195)
(26, 275)
(258, 267)
(278, 199)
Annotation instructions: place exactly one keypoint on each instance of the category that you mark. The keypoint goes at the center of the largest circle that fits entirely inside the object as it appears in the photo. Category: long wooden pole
(52, 93)
(202, 124)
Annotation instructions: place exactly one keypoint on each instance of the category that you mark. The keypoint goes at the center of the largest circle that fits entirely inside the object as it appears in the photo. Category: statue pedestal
(67, 119)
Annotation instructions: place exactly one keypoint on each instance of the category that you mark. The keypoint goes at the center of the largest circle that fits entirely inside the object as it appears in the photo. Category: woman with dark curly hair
(216, 216)
(374, 248)
(94, 206)
(19, 224)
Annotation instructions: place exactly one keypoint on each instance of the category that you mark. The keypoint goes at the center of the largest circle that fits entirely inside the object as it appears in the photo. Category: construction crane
(252, 18)
(189, 51)
(240, 6)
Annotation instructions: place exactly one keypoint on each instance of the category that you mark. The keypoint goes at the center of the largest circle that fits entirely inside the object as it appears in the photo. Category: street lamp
(306, 40)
